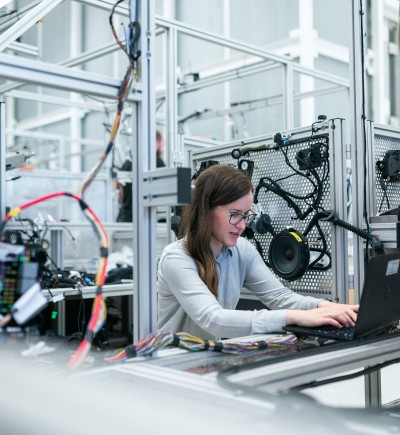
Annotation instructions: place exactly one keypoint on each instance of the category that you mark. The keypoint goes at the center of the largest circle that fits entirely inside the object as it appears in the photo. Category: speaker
(289, 254)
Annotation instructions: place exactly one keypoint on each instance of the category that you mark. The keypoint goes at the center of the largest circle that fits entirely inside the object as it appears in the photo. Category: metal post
(61, 329)
(173, 155)
(144, 158)
(373, 393)
(61, 154)
(57, 247)
(337, 155)
(357, 139)
(2, 161)
(288, 95)
(172, 97)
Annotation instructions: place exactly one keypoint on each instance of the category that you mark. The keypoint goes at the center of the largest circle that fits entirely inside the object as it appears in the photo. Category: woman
(200, 277)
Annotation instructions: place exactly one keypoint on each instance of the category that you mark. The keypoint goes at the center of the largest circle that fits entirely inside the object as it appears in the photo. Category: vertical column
(373, 393)
(57, 247)
(288, 95)
(338, 194)
(381, 102)
(172, 97)
(227, 54)
(174, 155)
(144, 159)
(76, 118)
(357, 137)
(307, 35)
(2, 161)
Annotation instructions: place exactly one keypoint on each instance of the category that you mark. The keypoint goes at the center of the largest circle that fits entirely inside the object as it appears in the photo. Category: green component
(10, 305)
(54, 315)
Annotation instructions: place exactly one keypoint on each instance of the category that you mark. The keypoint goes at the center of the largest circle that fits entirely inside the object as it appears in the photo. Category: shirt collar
(224, 252)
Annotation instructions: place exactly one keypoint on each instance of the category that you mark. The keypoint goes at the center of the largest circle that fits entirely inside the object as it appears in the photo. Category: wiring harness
(153, 342)
(99, 310)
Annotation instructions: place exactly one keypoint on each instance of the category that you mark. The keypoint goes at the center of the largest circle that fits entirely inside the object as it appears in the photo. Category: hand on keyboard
(327, 314)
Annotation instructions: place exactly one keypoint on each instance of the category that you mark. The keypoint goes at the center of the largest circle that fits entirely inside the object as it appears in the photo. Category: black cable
(385, 195)
(323, 251)
(82, 304)
(345, 377)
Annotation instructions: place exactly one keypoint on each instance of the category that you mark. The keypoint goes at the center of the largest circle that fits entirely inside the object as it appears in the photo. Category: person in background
(160, 149)
(125, 191)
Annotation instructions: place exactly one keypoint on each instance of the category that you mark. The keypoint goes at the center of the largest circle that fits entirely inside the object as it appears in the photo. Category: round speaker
(289, 254)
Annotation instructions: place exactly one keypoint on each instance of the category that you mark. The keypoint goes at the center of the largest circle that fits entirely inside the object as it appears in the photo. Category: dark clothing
(160, 162)
(125, 212)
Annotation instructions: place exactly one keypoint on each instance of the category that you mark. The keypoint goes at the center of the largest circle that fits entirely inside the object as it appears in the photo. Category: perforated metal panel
(271, 163)
(383, 144)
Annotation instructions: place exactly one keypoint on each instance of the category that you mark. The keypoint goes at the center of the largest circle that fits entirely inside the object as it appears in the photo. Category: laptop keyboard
(333, 330)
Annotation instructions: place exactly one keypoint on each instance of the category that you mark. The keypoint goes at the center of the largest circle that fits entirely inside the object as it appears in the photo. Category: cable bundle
(96, 322)
(160, 340)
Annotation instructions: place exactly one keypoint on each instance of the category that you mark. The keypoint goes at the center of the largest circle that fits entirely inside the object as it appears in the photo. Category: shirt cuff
(314, 303)
(265, 321)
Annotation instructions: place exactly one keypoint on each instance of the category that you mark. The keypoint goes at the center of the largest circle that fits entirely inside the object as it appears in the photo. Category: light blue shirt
(185, 304)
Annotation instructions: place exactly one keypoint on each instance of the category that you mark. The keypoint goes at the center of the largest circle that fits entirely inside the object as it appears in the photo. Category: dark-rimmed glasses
(235, 218)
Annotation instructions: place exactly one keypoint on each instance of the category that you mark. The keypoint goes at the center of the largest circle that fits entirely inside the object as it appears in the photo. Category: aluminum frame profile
(338, 189)
(144, 159)
(267, 102)
(65, 102)
(161, 187)
(11, 21)
(188, 143)
(288, 109)
(26, 22)
(284, 375)
(75, 61)
(19, 47)
(54, 76)
(2, 161)
(172, 97)
(357, 138)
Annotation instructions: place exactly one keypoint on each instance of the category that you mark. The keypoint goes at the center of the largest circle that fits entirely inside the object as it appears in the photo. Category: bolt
(148, 33)
(149, 197)
(148, 54)
(150, 179)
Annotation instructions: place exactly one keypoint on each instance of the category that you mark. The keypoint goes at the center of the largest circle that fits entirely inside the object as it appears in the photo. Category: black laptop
(379, 305)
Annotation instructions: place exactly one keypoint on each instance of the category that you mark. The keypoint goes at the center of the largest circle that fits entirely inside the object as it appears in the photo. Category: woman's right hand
(335, 316)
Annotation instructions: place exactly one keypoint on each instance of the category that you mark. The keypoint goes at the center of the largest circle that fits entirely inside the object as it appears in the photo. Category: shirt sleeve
(181, 274)
(263, 284)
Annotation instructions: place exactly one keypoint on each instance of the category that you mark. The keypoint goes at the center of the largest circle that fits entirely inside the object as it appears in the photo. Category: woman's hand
(327, 313)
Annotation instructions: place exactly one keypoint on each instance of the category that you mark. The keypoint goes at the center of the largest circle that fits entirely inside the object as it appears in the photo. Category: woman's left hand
(349, 311)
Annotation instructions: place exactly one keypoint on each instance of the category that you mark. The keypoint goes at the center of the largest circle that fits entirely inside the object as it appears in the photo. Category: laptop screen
(380, 299)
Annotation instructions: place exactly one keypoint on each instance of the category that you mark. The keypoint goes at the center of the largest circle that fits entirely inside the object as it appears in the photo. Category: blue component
(87, 279)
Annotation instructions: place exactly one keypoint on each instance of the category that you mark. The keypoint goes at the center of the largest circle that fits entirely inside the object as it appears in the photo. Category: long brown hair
(218, 185)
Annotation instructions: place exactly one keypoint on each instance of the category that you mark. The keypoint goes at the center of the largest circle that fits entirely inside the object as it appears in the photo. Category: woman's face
(222, 232)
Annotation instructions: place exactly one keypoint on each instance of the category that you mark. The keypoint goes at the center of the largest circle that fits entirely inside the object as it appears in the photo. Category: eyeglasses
(235, 218)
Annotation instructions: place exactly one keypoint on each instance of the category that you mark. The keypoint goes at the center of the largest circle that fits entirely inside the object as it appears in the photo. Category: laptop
(379, 305)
